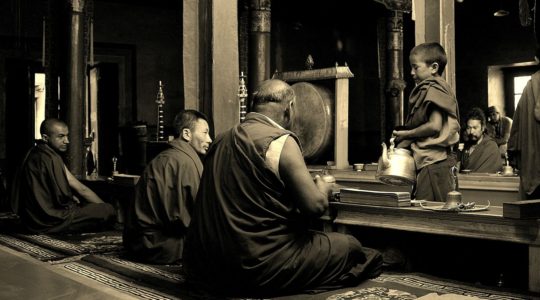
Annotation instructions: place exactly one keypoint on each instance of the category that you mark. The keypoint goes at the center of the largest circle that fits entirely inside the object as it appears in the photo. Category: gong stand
(340, 75)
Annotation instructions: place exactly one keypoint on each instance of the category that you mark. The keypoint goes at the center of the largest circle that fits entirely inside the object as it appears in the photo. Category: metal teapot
(396, 166)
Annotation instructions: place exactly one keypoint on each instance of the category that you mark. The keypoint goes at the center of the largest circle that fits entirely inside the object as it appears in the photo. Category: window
(514, 79)
(39, 103)
(519, 84)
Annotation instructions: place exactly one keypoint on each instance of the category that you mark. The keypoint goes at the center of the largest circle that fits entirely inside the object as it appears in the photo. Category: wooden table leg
(534, 268)
(341, 228)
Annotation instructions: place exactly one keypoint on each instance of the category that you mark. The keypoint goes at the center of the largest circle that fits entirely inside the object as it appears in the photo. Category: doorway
(20, 111)
(107, 116)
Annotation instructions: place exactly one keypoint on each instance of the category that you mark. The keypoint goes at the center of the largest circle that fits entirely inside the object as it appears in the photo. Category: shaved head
(47, 125)
(55, 133)
(273, 90)
(275, 98)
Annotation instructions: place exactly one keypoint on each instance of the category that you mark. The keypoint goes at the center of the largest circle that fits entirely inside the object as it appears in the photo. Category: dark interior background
(139, 43)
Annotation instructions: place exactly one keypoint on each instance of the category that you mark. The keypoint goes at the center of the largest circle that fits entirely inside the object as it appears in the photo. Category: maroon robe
(43, 199)
(247, 236)
(156, 220)
(433, 93)
(524, 141)
(484, 159)
(431, 154)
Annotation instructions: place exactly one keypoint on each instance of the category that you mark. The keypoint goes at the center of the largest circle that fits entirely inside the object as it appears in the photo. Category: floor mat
(56, 247)
(120, 283)
(76, 244)
(33, 250)
(410, 286)
(169, 279)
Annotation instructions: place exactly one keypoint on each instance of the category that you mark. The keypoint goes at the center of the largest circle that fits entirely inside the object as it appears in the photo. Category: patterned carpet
(169, 280)
(54, 247)
(99, 257)
(126, 285)
(33, 250)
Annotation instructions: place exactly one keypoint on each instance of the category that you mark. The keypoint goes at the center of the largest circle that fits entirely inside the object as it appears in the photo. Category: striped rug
(54, 247)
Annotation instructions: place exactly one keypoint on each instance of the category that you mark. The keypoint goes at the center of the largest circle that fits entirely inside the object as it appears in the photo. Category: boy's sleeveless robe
(431, 92)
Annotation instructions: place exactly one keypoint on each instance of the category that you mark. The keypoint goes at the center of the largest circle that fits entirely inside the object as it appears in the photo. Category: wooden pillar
(191, 35)
(434, 22)
(225, 65)
(210, 60)
(75, 86)
(341, 134)
(259, 43)
(396, 83)
(534, 262)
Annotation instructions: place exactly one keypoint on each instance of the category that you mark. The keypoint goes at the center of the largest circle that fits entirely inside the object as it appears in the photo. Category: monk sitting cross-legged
(250, 230)
(47, 197)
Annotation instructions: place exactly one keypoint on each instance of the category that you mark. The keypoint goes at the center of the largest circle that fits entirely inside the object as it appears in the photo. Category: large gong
(314, 118)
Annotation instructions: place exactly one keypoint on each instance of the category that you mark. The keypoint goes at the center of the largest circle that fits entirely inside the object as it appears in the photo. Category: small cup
(358, 167)
(508, 171)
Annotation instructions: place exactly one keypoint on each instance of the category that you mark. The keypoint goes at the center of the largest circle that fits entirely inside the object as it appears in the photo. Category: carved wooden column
(396, 83)
(395, 114)
(259, 43)
(74, 83)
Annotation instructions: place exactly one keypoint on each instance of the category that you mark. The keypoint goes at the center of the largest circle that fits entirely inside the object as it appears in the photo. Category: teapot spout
(384, 156)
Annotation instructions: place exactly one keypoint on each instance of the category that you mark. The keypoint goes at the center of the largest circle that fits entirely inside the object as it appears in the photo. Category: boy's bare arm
(432, 127)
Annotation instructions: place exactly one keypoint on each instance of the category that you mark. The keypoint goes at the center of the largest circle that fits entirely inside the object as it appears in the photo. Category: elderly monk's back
(248, 235)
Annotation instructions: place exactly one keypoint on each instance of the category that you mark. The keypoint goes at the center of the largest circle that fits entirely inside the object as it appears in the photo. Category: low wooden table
(119, 194)
(484, 225)
(477, 187)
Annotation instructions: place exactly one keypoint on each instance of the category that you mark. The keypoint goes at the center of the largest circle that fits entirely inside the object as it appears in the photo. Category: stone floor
(23, 277)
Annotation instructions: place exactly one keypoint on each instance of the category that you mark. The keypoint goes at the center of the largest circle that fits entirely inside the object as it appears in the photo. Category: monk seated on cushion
(481, 153)
(156, 220)
(47, 197)
(249, 232)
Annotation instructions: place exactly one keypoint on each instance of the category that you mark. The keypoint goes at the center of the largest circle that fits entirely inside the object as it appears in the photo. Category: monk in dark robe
(524, 142)
(498, 128)
(157, 219)
(47, 197)
(481, 153)
(250, 230)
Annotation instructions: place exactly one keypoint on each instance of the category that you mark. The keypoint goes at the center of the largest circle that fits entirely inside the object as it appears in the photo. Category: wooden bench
(482, 225)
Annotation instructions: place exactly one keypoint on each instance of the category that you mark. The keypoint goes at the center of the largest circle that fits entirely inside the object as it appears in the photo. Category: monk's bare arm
(81, 189)
(311, 196)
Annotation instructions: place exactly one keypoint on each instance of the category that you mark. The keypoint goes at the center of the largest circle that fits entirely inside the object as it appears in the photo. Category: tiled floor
(23, 277)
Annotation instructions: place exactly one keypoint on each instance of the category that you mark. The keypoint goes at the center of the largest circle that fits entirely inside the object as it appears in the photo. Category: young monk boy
(433, 123)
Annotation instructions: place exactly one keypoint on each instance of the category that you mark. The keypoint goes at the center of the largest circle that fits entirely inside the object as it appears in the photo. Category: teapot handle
(392, 144)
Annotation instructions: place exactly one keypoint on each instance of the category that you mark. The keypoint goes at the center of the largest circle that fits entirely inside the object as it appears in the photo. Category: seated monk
(47, 197)
(481, 153)
(157, 219)
(250, 232)
(498, 128)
